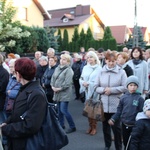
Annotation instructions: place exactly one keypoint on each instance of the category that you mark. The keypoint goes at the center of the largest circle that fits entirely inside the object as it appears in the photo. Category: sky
(111, 12)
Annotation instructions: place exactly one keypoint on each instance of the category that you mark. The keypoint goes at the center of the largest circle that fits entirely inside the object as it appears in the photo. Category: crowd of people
(119, 79)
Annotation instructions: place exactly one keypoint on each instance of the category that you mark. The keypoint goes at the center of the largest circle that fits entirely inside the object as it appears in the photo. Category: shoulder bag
(51, 135)
(93, 110)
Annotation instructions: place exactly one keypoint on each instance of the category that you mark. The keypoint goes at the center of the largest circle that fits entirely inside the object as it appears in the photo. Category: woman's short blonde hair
(124, 55)
(66, 56)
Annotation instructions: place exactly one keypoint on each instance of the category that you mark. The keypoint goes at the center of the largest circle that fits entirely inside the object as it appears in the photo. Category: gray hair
(51, 49)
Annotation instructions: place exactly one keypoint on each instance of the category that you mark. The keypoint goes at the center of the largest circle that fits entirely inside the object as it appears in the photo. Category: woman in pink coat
(110, 85)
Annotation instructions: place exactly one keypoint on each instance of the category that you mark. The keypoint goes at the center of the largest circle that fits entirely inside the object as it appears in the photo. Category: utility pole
(135, 29)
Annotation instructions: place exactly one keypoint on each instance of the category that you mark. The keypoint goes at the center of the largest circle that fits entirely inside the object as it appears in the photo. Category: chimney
(79, 10)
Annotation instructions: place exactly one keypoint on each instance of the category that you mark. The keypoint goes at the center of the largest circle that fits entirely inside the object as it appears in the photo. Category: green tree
(108, 41)
(10, 32)
(129, 43)
(42, 39)
(141, 43)
(75, 36)
(65, 41)
(75, 40)
(88, 38)
(107, 34)
(59, 40)
(82, 36)
(53, 40)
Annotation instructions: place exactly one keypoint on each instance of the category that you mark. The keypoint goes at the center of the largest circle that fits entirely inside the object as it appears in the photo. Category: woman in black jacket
(46, 79)
(18, 130)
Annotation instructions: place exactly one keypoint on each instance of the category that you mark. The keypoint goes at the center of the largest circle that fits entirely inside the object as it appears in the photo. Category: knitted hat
(132, 79)
(146, 105)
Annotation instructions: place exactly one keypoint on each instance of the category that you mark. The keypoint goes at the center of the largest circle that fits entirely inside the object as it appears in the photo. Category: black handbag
(51, 135)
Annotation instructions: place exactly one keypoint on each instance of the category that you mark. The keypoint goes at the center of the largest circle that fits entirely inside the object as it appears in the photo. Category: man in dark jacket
(43, 65)
(76, 67)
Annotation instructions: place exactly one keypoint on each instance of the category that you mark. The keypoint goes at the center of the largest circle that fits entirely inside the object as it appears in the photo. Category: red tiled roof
(119, 33)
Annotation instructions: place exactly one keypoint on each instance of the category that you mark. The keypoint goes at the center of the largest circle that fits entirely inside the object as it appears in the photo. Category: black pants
(126, 131)
(77, 87)
(116, 128)
(49, 98)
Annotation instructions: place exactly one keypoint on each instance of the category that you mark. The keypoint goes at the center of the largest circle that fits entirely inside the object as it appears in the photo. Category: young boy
(130, 104)
(140, 135)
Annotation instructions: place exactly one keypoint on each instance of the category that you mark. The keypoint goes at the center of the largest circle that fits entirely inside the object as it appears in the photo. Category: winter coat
(128, 70)
(89, 74)
(18, 130)
(62, 78)
(4, 79)
(40, 72)
(115, 79)
(140, 135)
(76, 67)
(46, 79)
(13, 86)
(141, 71)
(130, 104)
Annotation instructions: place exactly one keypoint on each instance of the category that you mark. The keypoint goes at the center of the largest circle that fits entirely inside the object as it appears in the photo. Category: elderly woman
(110, 85)
(18, 130)
(61, 83)
(12, 87)
(87, 79)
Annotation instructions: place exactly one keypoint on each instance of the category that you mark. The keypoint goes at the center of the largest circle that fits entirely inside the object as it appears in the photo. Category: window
(65, 20)
(23, 13)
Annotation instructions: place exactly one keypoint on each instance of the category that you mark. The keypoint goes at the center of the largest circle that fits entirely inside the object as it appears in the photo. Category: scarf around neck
(136, 61)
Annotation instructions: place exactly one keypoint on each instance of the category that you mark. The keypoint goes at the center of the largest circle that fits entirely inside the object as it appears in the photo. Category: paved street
(79, 140)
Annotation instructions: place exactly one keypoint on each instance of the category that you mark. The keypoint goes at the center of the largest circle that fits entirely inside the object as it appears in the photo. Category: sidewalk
(79, 140)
